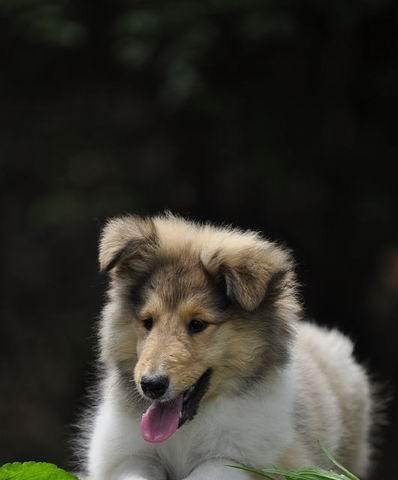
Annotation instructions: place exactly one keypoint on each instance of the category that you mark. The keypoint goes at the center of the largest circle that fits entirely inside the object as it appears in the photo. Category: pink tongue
(161, 420)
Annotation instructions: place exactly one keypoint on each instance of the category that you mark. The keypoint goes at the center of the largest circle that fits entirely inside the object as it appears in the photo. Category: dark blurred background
(275, 115)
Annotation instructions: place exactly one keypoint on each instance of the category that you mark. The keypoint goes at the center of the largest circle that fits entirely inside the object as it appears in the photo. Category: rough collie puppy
(207, 361)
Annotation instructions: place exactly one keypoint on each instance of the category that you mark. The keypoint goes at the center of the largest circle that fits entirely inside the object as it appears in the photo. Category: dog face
(194, 311)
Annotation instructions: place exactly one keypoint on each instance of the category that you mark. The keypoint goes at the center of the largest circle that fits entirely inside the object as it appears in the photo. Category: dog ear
(128, 241)
(249, 273)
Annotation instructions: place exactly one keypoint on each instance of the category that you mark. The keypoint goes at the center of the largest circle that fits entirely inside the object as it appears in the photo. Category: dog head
(194, 311)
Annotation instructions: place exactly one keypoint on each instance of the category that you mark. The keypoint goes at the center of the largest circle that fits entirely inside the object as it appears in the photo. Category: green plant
(306, 473)
(33, 471)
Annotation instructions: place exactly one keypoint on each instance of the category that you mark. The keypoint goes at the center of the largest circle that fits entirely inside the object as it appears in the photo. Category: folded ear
(128, 241)
(249, 272)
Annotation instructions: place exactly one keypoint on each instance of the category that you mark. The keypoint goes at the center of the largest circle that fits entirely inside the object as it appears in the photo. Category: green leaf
(306, 473)
(33, 471)
(350, 475)
(252, 470)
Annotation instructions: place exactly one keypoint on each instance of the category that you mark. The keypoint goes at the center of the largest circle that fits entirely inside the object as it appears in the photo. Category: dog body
(207, 361)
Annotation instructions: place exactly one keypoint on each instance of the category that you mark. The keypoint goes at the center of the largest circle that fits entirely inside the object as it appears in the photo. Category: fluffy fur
(279, 388)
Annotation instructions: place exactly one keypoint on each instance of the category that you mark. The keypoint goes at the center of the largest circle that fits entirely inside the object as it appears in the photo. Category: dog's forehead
(182, 284)
(177, 282)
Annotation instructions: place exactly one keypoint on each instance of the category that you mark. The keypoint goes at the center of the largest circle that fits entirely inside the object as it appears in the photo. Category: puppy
(207, 362)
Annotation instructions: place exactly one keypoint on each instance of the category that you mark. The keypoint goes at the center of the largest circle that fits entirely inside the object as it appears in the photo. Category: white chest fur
(251, 429)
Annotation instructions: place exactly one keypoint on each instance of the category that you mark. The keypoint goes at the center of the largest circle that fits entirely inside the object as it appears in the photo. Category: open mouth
(162, 419)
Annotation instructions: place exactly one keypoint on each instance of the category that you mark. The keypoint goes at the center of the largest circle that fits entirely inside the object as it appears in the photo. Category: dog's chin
(162, 419)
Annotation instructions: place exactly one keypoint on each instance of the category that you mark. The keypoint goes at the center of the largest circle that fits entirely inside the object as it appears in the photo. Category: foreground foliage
(48, 471)
(33, 471)
(307, 473)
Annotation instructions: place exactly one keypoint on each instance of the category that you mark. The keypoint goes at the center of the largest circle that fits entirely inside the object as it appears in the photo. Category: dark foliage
(276, 115)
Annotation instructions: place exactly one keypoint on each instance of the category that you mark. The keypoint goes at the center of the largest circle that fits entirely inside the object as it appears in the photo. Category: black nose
(154, 386)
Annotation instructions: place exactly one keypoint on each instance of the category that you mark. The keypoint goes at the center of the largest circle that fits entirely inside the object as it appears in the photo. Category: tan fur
(177, 271)
(248, 262)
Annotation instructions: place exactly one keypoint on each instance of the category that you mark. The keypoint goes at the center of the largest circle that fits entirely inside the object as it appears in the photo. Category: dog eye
(148, 324)
(196, 326)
